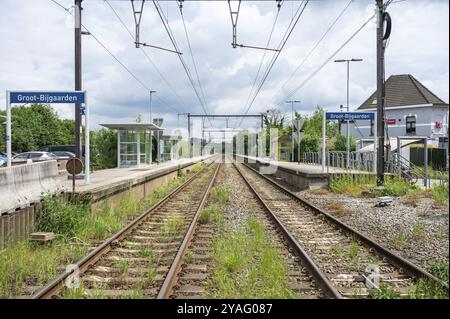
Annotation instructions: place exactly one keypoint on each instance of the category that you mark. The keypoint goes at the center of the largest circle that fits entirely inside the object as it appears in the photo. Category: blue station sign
(349, 116)
(47, 97)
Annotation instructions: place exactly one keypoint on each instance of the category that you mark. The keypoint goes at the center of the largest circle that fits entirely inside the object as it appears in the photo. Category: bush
(395, 187)
(61, 217)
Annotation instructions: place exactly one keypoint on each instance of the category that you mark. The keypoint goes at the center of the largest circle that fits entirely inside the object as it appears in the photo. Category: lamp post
(151, 119)
(348, 108)
(292, 134)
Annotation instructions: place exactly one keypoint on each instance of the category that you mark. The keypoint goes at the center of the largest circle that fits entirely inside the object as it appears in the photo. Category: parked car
(64, 148)
(2, 160)
(34, 156)
(63, 154)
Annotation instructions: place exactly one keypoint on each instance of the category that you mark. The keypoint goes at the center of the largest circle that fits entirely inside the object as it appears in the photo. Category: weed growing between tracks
(27, 264)
(248, 265)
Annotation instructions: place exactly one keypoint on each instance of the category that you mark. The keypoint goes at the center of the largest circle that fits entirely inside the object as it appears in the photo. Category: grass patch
(74, 293)
(398, 240)
(440, 270)
(357, 185)
(319, 191)
(170, 228)
(418, 231)
(189, 256)
(28, 264)
(396, 187)
(248, 265)
(428, 289)
(220, 194)
(440, 194)
(338, 208)
(385, 293)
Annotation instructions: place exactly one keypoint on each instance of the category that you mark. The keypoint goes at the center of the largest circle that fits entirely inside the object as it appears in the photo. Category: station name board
(47, 97)
(349, 116)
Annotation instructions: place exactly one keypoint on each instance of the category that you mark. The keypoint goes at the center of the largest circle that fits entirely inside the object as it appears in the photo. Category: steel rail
(57, 284)
(318, 275)
(172, 275)
(397, 260)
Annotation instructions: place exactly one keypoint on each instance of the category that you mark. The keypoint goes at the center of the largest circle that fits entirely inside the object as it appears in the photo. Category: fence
(338, 159)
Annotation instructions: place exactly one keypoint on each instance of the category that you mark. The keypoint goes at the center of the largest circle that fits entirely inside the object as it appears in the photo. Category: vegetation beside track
(364, 185)
(27, 264)
(246, 263)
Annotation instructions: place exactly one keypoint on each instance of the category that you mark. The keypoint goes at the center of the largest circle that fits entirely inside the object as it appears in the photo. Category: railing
(412, 173)
(338, 159)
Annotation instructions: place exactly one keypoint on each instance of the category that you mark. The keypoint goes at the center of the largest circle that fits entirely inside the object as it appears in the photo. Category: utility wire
(263, 57)
(112, 54)
(328, 59)
(311, 51)
(283, 42)
(192, 58)
(183, 63)
(147, 56)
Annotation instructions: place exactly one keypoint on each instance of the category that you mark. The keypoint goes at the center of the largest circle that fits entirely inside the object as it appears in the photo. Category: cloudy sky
(37, 53)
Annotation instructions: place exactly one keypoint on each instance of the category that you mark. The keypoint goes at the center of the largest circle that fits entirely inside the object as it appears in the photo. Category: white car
(34, 156)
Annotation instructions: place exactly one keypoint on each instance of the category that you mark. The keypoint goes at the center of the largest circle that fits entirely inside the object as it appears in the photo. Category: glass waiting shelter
(134, 143)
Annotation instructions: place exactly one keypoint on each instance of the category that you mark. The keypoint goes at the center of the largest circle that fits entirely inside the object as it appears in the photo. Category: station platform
(310, 169)
(303, 176)
(109, 181)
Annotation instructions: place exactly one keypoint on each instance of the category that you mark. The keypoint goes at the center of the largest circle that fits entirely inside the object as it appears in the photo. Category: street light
(348, 108)
(292, 134)
(151, 134)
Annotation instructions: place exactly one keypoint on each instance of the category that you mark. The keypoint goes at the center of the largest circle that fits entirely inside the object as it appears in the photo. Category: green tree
(340, 144)
(104, 149)
(35, 126)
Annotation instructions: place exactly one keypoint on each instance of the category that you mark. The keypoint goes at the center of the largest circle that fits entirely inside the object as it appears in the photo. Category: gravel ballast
(420, 234)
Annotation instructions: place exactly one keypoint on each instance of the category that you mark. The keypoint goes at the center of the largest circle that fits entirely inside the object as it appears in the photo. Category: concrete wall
(24, 185)
(19, 224)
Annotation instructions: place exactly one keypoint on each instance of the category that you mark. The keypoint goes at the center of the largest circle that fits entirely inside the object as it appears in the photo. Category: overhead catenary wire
(193, 58)
(311, 51)
(146, 56)
(113, 56)
(283, 42)
(294, 91)
(183, 63)
(263, 57)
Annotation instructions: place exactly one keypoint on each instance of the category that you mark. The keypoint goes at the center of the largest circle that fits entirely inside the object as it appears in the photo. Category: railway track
(343, 261)
(167, 253)
(136, 261)
(192, 278)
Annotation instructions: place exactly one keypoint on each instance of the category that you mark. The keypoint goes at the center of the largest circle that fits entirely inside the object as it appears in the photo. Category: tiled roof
(403, 90)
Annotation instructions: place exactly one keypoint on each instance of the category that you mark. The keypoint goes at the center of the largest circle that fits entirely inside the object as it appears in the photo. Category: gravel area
(420, 234)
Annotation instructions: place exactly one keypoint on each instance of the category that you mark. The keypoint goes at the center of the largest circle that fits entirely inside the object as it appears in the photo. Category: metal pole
(151, 121)
(324, 127)
(138, 140)
(380, 94)
(118, 148)
(425, 160)
(375, 145)
(78, 79)
(292, 133)
(8, 130)
(189, 135)
(261, 137)
(348, 120)
(87, 154)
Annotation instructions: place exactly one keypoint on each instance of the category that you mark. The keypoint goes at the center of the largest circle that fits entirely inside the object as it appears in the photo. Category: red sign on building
(390, 121)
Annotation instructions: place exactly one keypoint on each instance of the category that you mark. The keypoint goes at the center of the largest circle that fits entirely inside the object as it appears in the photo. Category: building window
(411, 125)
